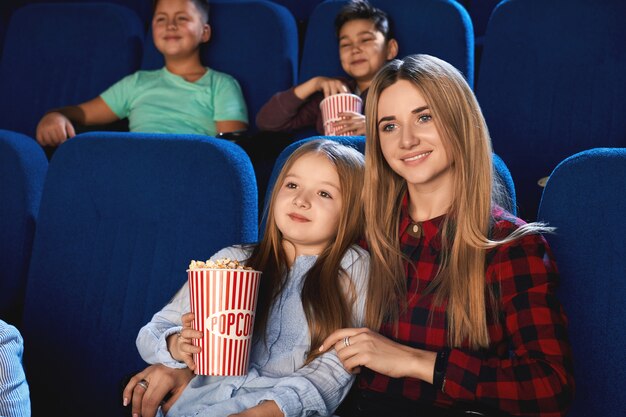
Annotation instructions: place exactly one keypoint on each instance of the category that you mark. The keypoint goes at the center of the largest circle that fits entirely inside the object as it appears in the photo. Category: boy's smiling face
(178, 28)
(363, 50)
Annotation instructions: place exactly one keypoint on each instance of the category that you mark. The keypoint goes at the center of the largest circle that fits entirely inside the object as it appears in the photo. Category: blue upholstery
(121, 216)
(59, 54)
(301, 9)
(255, 41)
(552, 83)
(585, 200)
(358, 142)
(23, 167)
(437, 27)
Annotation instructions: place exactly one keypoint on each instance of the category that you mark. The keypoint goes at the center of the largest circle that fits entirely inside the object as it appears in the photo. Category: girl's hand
(351, 122)
(363, 347)
(265, 409)
(181, 346)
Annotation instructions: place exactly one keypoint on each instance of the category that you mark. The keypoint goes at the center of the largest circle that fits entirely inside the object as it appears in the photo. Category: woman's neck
(428, 202)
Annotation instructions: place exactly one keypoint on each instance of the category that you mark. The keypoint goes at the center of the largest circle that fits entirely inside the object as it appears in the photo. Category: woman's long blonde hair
(324, 290)
(465, 229)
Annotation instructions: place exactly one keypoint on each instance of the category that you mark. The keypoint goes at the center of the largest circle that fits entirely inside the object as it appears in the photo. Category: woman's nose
(409, 138)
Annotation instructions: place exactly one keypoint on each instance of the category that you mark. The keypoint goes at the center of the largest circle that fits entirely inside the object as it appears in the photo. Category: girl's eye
(325, 194)
(291, 185)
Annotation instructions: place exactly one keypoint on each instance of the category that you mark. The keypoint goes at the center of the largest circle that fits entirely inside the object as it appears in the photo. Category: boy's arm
(326, 85)
(57, 125)
(227, 126)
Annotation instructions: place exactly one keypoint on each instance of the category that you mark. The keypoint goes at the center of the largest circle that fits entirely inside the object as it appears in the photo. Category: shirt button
(416, 228)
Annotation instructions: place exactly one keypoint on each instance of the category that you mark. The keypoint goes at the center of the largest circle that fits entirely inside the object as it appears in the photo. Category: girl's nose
(301, 201)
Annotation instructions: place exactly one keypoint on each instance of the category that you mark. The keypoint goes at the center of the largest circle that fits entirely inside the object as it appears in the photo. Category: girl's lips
(298, 218)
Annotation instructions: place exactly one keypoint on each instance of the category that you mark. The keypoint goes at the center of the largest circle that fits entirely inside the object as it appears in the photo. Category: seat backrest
(585, 200)
(358, 142)
(436, 27)
(58, 54)
(23, 167)
(121, 216)
(552, 83)
(255, 41)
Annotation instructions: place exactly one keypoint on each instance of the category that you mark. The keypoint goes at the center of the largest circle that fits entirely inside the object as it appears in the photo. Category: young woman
(462, 293)
(313, 282)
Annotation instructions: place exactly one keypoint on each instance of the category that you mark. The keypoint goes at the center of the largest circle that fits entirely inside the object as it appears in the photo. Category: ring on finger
(346, 341)
(143, 384)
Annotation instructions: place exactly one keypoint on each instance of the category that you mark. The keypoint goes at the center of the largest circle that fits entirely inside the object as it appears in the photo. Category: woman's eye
(423, 118)
(325, 194)
(388, 127)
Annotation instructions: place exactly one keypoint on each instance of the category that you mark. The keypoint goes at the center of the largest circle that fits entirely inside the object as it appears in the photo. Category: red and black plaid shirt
(527, 369)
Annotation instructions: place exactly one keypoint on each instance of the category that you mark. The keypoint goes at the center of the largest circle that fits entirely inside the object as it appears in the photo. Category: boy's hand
(351, 122)
(54, 129)
(180, 345)
(328, 86)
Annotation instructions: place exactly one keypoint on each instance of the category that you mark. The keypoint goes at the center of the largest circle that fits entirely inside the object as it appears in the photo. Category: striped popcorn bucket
(224, 304)
(331, 106)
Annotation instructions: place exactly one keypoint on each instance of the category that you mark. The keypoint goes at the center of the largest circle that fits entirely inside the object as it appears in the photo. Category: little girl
(312, 273)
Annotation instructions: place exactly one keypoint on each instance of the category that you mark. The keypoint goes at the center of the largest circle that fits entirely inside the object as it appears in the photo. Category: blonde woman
(461, 292)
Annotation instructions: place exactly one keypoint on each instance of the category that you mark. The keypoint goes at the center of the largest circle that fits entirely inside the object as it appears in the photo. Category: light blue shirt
(14, 393)
(276, 370)
(161, 102)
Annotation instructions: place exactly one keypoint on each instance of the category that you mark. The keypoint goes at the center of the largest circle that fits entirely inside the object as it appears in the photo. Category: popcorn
(222, 263)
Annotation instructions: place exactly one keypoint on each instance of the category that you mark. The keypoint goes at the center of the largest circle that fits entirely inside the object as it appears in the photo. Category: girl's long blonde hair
(324, 290)
(465, 229)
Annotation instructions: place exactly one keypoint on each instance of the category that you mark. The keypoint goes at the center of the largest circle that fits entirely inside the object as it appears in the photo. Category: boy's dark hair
(361, 9)
(201, 5)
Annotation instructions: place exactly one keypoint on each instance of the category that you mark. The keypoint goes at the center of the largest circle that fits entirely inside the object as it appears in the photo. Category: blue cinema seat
(436, 27)
(585, 199)
(255, 41)
(552, 83)
(58, 54)
(23, 167)
(121, 216)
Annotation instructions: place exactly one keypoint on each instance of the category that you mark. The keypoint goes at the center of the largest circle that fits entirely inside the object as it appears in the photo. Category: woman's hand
(155, 386)
(363, 347)
(180, 345)
(351, 122)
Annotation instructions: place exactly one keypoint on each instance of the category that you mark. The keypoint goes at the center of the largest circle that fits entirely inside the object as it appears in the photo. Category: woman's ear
(392, 49)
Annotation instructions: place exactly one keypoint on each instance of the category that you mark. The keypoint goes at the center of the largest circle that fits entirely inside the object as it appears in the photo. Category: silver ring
(346, 341)
(143, 384)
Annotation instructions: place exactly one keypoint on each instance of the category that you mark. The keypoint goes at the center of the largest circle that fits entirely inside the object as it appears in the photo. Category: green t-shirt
(161, 102)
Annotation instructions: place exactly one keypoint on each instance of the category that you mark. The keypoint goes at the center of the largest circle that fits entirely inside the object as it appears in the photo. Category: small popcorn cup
(224, 303)
(331, 106)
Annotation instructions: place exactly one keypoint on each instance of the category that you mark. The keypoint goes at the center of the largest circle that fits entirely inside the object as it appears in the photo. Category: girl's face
(409, 139)
(178, 28)
(308, 205)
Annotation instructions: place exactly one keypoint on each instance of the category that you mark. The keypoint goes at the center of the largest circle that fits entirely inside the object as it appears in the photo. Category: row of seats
(119, 215)
(551, 79)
